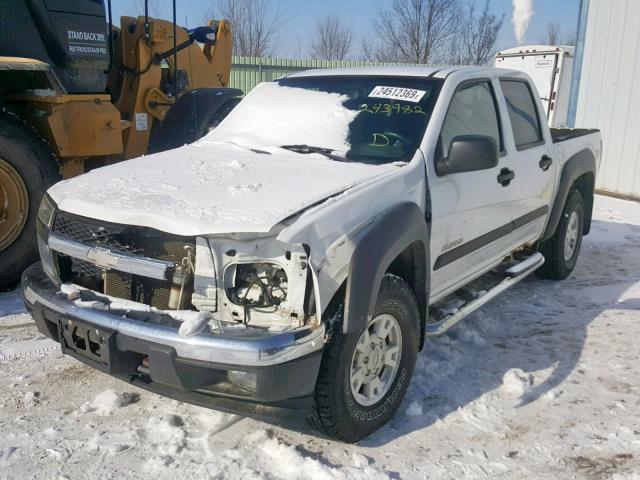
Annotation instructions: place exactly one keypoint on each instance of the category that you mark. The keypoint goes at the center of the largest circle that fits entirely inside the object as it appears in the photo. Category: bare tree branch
(332, 39)
(366, 50)
(255, 25)
(156, 8)
(414, 31)
(478, 34)
(553, 33)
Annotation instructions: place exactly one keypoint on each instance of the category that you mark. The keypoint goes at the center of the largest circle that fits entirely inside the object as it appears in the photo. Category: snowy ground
(542, 383)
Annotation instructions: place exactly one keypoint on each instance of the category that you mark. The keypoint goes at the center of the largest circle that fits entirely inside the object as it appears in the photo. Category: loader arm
(141, 80)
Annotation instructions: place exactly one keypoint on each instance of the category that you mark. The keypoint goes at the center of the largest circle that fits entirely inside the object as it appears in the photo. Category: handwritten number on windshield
(391, 109)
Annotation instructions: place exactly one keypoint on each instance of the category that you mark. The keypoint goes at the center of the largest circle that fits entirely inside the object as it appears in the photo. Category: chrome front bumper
(229, 345)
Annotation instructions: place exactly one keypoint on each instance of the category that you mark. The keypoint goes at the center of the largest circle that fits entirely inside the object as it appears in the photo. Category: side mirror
(468, 153)
(205, 35)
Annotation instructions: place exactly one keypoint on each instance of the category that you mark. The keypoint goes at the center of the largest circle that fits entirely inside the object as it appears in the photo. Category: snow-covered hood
(209, 188)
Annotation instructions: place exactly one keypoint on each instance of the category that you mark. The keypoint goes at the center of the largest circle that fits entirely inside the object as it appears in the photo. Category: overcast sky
(302, 14)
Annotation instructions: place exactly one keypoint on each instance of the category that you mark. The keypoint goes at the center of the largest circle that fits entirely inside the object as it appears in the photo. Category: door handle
(545, 162)
(505, 176)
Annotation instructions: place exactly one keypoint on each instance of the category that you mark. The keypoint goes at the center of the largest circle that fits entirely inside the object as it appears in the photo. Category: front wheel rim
(571, 236)
(14, 204)
(376, 360)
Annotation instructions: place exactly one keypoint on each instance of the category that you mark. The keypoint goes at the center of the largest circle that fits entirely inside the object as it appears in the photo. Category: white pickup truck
(295, 259)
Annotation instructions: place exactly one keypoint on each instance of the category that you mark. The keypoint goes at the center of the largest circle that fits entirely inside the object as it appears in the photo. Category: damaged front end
(128, 293)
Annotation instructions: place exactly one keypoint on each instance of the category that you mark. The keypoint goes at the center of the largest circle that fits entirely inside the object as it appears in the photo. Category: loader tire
(27, 170)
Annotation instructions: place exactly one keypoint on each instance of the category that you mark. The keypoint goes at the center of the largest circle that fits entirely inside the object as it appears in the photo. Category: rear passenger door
(527, 139)
(471, 210)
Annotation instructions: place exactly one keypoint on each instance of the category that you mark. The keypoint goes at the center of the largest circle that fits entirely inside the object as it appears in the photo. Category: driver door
(471, 211)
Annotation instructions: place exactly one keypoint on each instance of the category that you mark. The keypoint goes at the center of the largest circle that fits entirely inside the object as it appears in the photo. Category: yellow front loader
(77, 93)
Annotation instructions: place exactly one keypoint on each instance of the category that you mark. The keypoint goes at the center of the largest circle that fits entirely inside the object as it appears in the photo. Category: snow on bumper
(230, 346)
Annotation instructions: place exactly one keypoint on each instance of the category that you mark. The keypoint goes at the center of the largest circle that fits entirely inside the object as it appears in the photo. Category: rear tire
(338, 413)
(562, 250)
(30, 169)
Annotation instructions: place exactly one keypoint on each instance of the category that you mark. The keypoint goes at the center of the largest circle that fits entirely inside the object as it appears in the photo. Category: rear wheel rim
(14, 204)
(376, 360)
(571, 236)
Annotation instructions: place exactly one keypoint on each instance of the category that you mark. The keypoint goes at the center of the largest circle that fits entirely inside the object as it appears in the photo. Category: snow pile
(84, 298)
(106, 402)
(414, 409)
(168, 436)
(193, 323)
(259, 453)
(71, 291)
(31, 399)
(517, 383)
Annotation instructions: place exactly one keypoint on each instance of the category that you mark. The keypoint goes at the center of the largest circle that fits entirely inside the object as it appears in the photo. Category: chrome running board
(513, 275)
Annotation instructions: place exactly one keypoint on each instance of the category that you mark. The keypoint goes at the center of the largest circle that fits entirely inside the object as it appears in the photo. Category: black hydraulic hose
(147, 37)
(175, 53)
(110, 37)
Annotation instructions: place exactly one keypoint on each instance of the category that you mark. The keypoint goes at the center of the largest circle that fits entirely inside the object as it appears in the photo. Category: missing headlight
(258, 285)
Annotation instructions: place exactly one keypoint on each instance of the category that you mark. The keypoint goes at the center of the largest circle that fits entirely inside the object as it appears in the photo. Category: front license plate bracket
(96, 347)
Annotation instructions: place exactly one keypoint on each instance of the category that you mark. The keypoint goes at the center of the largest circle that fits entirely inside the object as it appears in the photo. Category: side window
(472, 112)
(522, 113)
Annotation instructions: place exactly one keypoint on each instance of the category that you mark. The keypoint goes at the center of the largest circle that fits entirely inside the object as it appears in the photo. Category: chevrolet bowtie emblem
(102, 257)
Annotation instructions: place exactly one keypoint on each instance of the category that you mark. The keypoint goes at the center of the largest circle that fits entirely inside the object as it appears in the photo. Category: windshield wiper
(254, 150)
(311, 149)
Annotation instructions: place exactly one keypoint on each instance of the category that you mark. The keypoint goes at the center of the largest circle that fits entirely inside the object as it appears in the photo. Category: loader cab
(69, 35)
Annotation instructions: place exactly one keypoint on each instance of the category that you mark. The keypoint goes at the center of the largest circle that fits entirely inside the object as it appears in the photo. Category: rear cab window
(523, 114)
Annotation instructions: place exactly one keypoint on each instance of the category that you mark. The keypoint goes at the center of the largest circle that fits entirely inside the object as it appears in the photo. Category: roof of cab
(407, 71)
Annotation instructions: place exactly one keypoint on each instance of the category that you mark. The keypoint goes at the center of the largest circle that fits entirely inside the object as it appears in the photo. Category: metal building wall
(609, 90)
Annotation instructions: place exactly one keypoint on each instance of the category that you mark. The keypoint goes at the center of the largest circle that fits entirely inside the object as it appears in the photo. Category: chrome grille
(95, 234)
(129, 240)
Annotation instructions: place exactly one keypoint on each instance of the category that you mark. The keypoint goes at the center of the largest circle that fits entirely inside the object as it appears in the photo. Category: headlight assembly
(258, 285)
(46, 211)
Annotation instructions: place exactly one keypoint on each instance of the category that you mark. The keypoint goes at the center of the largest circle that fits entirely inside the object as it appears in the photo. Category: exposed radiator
(138, 241)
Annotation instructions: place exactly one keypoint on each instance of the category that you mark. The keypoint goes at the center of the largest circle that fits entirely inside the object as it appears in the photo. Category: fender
(188, 119)
(390, 234)
(582, 162)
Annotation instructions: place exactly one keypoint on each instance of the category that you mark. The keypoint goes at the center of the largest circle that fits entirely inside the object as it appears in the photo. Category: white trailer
(551, 68)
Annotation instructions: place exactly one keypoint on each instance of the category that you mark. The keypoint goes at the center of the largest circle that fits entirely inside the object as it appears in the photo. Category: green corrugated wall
(247, 72)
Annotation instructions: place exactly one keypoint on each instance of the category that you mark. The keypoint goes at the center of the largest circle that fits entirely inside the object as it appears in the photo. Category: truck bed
(562, 134)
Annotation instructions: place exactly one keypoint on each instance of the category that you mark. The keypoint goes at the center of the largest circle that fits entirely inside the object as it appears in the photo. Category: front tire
(364, 375)
(562, 250)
